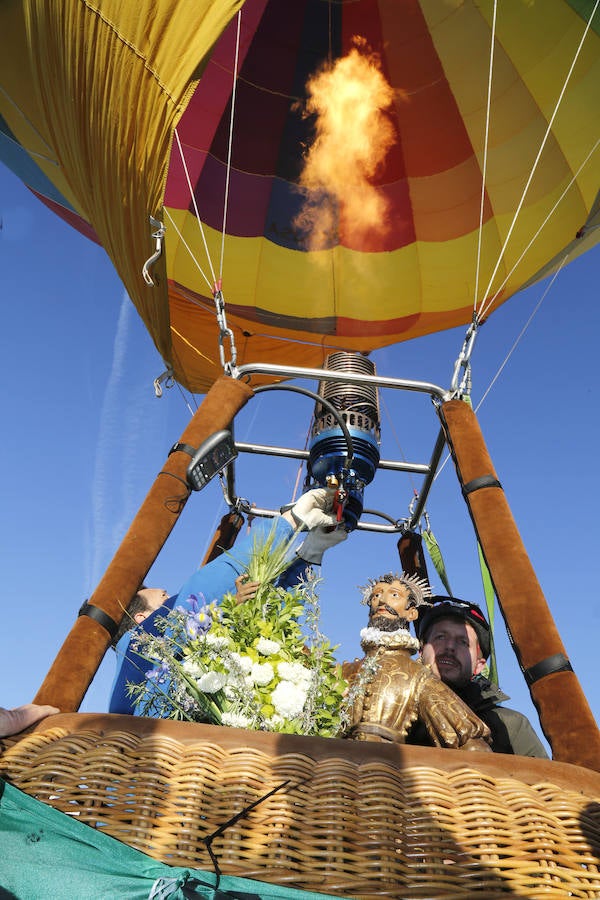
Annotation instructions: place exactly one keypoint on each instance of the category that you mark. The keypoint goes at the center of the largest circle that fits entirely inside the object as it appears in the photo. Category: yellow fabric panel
(451, 27)
(551, 238)
(415, 279)
(107, 83)
(423, 273)
(523, 94)
(362, 283)
(195, 348)
(447, 203)
(19, 102)
(241, 261)
(558, 30)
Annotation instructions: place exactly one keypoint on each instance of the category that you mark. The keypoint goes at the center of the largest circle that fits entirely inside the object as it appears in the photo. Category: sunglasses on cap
(453, 603)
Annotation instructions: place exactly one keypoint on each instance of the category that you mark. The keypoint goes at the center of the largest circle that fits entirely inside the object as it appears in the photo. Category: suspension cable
(215, 282)
(225, 333)
(485, 154)
(485, 310)
(539, 154)
(230, 141)
(510, 352)
(196, 210)
(523, 330)
(188, 248)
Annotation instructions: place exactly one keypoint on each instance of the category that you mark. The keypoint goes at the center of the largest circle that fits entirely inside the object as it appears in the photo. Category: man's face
(389, 608)
(153, 598)
(452, 650)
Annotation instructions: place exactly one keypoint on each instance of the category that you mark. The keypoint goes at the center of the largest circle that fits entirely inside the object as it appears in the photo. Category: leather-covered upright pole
(565, 715)
(225, 536)
(412, 558)
(78, 659)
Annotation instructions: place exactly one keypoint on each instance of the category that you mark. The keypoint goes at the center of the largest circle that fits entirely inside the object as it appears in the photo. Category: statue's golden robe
(389, 692)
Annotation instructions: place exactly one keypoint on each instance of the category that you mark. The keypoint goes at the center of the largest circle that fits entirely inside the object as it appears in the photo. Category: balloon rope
(485, 156)
(539, 154)
(230, 141)
(187, 246)
(511, 351)
(213, 282)
(485, 309)
(523, 330)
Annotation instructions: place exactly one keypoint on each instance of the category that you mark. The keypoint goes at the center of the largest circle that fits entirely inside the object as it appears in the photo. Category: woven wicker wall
(360, 820)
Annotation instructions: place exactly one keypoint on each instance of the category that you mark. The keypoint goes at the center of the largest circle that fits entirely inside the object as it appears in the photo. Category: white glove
(318, 541)
(314, 509)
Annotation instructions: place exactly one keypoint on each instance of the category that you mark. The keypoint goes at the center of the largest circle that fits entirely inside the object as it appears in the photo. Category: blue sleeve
(119, 701)
(128, 669)
(294, 573)
(217, 577)
(210, 582)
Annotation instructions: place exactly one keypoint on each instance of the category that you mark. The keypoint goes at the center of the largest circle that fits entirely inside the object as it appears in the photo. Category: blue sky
(84, 437)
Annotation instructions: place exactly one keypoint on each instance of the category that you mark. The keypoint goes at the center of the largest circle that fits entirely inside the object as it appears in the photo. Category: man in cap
(455, 641)
(389, 693)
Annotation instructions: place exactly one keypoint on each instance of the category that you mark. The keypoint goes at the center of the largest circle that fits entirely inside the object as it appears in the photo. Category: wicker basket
(353, 819)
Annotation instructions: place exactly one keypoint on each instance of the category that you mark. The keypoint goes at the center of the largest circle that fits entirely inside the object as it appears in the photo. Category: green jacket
(511, 730)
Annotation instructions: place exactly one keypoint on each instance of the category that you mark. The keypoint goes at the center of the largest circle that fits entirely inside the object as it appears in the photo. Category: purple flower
(198, 616)
(159, 673)
(197, 623)
(195, 602)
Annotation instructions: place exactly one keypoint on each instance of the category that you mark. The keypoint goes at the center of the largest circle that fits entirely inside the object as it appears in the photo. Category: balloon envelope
(97, 123)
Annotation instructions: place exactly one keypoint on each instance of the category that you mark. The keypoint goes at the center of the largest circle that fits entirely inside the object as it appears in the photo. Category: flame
(350, 99)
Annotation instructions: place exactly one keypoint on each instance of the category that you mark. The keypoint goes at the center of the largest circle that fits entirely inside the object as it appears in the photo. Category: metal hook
(158, 236)
(464, 358)
(411, 505)
(167, 377)
(229, 366)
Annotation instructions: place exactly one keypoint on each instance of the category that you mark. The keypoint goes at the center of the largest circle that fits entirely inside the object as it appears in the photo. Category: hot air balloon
(241, 140)
(186, 141)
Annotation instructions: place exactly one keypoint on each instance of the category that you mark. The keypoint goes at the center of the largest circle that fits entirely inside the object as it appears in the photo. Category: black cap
(444, 607)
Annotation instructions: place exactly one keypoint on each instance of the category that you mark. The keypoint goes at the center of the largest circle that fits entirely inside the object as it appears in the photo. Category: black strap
(94, 612)
(483, 481)
(185, 448)
(556, 663)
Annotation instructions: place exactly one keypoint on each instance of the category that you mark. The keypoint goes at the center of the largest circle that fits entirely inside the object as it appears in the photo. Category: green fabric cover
(48, 855)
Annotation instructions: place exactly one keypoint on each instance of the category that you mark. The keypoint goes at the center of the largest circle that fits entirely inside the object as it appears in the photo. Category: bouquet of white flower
(247, 665)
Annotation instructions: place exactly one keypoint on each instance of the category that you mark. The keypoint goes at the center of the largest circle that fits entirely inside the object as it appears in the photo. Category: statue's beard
(385, 623)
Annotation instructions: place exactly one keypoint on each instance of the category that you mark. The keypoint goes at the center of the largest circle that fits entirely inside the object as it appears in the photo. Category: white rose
(215, 642)
(267, 647)
(262, 673)
(211, 682)
(295, 672)
(243, 662)
(288, 699)
(235, 720)
(192, 668)
(273, 723)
